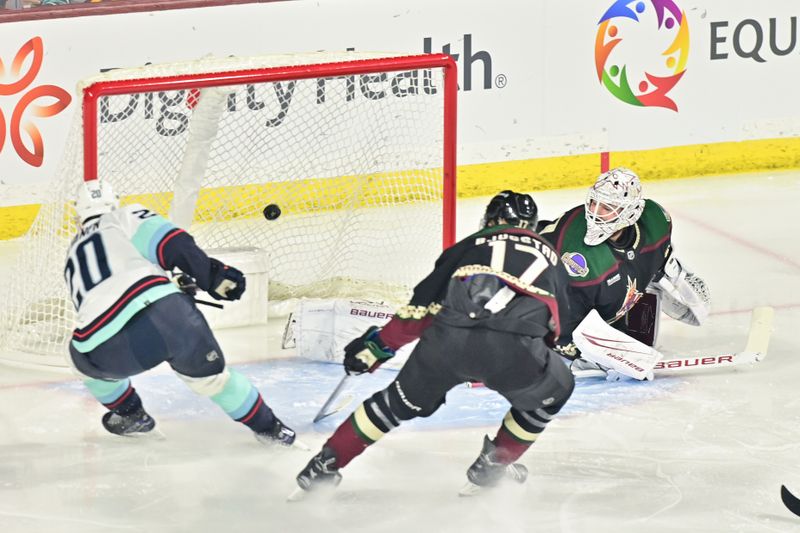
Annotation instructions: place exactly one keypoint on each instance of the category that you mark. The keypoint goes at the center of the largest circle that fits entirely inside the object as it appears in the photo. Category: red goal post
(94, 92)
(357, 149)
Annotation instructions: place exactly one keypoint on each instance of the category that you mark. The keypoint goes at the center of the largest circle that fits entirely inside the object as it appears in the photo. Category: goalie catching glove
(684, 296)
(366, 353)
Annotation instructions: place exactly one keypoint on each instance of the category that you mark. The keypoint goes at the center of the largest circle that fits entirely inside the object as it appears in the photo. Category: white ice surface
(699, 453)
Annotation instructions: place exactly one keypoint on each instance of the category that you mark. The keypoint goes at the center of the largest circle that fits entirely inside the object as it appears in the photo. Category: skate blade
(300, 445)
(297, 495)
(154, 434)
(469, 489)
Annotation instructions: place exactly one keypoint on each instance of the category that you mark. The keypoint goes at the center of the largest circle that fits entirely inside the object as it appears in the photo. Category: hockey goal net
(357, 150)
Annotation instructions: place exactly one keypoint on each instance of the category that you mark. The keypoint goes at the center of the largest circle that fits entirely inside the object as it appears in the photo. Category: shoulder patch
(575, 263)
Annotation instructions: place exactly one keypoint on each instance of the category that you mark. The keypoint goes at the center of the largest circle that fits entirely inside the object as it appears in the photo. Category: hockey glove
(366, 353)
(185, 283)
(567, 351)
(227, 283)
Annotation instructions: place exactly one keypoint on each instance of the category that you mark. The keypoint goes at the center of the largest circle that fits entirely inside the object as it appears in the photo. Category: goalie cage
(357, 150)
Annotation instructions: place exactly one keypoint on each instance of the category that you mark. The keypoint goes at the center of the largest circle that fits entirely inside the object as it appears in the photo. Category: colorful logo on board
(625, 35)
(34, 103)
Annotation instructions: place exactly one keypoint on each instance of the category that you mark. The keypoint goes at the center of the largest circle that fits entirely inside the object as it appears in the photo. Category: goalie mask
(95, 198)
(514, 208)
(614, 202)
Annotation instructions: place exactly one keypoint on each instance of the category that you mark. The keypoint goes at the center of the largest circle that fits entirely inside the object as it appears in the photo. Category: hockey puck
(272, 211)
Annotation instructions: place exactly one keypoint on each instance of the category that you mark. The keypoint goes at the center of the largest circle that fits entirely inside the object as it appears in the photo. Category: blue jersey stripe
(148, 236)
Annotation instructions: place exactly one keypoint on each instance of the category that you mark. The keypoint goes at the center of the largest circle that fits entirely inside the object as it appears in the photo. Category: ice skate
(280, 435)
(320, 472)
(133, 423)
(486, 471)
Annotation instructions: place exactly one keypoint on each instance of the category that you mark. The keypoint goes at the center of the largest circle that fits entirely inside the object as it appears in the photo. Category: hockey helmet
(613, 203)
(517, 209)
(94, 198)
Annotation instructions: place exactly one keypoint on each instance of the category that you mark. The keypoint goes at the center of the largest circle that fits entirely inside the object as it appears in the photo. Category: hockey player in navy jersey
(617, 250)
(483, 314)
(131, 317)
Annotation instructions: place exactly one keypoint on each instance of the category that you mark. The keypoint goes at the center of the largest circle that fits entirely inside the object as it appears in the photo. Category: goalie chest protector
(604, 277)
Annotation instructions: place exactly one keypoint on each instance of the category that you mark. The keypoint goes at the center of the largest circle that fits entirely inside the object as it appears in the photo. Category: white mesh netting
(354, 162)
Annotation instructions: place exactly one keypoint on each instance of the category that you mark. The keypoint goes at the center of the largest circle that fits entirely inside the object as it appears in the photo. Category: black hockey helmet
(515, 208)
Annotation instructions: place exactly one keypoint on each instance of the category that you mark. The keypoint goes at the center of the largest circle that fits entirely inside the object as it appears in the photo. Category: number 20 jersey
(113, 271)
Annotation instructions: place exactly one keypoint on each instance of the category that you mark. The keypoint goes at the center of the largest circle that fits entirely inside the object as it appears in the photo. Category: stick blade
(341, 404)
(469, 489)
(760, 331)
(790, 500)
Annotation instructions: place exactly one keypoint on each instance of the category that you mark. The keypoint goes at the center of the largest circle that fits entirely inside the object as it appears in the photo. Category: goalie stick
(790, 500)
(754, 351)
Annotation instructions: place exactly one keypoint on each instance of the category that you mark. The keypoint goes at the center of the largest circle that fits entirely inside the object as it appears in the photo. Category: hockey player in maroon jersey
(483, 314)
(617, 251)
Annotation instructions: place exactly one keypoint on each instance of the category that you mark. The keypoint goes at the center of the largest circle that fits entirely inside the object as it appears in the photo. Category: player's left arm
(170, 247)
(410, 320)
(684, 295)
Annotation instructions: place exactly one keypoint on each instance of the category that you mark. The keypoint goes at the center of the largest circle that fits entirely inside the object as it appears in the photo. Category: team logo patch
(632, 295)
(575, 263)
(631, 255)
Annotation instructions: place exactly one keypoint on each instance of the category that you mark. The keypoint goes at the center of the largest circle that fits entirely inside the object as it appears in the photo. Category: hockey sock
(509, 449)
(520, 429)
(371, 421)
(243, 403)
(117, 396)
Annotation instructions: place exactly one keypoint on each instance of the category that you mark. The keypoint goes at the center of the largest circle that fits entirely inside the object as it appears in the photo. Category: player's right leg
(105, 371)
(537, 384)
(196, 357)
(417, 391)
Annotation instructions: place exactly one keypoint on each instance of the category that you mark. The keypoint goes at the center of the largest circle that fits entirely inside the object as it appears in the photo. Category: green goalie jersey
(611, 276)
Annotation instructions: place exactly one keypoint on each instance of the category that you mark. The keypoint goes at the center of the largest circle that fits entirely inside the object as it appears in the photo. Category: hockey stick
(754, 351)
(210, 304)
(326, 410)
(790, 500)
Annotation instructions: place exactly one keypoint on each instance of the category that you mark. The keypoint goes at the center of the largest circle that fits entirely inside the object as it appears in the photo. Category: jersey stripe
(163, 243)
(149, 235)
(139, 296)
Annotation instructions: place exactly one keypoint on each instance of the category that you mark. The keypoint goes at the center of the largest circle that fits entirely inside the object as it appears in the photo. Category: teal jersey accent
(149, 235)
(107, 391)
(121, 318)
(238, 396)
